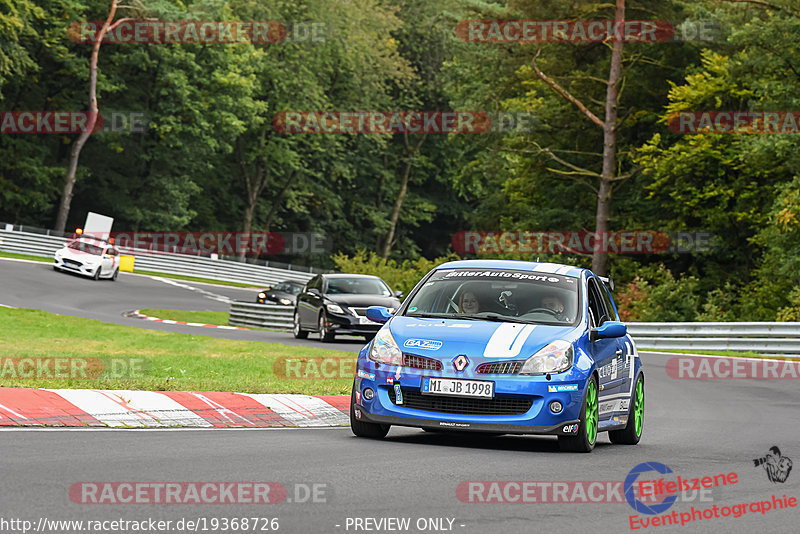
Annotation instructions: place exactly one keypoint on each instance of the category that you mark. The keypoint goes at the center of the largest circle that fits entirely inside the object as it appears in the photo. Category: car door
(308, 303)
(106, 262)
(606, 352)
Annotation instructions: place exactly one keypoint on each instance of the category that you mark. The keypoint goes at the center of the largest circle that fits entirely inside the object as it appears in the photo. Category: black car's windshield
(292, 289)
(498, 295)
(88, 248)
(357, 286)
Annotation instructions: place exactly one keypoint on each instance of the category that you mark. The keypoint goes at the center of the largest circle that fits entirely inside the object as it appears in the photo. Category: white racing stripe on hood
(507, 340)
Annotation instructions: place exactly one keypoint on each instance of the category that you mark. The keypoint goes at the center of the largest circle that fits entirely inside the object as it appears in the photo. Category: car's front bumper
(74, 266)
(531, 393)
(347, 324)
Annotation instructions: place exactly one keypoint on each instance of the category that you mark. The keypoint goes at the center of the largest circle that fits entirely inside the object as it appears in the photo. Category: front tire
(297, 330)
(632, 432)
(96, 274)
(361, 428)
(587, 430)
(324, 332)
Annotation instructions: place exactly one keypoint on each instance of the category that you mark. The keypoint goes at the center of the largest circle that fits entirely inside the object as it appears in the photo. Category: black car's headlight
(334, 308)
(286, 302)
(262, 295)
(553, 358)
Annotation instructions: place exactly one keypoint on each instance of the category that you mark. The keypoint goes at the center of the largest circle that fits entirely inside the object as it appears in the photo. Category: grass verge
(160, 360)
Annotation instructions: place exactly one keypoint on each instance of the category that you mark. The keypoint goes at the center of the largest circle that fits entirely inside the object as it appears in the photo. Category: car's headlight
(262, 295)
(286, 302)
(384, 349)
(334, 308)
(554, 358)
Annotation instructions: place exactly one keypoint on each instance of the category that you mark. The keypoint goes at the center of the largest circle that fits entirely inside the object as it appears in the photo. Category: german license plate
(457, 388)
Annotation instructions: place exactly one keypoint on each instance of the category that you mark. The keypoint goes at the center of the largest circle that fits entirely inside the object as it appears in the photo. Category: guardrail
(216, 269)
(257, 315)
(763, 338)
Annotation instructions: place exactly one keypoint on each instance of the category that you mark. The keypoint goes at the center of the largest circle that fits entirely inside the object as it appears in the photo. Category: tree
(72, 168)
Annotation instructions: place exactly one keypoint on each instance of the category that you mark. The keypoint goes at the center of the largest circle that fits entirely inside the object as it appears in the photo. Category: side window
(315, 282)
(610, 311)
(596, 304)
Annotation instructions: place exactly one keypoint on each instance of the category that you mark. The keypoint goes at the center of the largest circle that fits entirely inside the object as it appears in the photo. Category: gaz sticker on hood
(507, 341)
(424, 344)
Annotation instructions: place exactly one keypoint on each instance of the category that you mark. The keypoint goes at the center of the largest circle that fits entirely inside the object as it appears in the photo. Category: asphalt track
(26, 284)
(696, 427)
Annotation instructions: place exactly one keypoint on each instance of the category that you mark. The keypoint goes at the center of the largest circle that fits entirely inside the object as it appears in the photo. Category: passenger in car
(469, 303)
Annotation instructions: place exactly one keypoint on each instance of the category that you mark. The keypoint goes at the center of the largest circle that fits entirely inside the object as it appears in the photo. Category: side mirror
(607, 330)
(314, 291)
(378, 314)
(398, 294)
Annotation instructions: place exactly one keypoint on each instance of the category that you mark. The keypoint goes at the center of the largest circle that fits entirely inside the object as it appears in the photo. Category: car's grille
(433, 403)
(360, 311)
(418, 362)
(72, 263)
(500, 368)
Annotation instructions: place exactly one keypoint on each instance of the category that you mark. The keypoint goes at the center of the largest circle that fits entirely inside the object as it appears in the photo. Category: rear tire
(114, 276)
(325, 334)
(632, 432)
(297, 330)
(362, 429)
(586, 438)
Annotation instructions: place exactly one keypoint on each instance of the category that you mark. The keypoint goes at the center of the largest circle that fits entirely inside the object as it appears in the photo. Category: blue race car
(508, 347)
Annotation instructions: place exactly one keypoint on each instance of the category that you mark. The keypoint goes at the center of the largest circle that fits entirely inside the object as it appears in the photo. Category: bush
(656, 295)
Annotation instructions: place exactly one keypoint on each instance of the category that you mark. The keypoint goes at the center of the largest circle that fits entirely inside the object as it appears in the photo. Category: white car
(88, 256)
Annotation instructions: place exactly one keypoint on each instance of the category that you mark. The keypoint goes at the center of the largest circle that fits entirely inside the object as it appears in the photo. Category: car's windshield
(292, 289)
(357, 286)
(88, 248)
(500, 295)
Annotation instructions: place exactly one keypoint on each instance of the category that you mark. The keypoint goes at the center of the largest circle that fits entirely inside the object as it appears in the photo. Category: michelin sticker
(564, 387)
(364, 374)
(424, 344)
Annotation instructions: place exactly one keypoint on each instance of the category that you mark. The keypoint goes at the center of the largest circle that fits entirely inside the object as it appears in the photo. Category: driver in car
(554, 303)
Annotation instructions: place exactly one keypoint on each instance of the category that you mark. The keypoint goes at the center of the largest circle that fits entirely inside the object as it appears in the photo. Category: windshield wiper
(445, 316)
(494, 317)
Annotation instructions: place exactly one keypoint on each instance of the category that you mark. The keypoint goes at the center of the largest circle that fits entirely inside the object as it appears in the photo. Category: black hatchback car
(332, 304)
(284, 293)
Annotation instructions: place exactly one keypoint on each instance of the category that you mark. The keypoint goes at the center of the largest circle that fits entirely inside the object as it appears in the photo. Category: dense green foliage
(209, 158)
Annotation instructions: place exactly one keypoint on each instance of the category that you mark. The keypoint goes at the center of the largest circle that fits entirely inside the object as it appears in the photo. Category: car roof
(91, 240)
(345, 275)
(514, 265)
